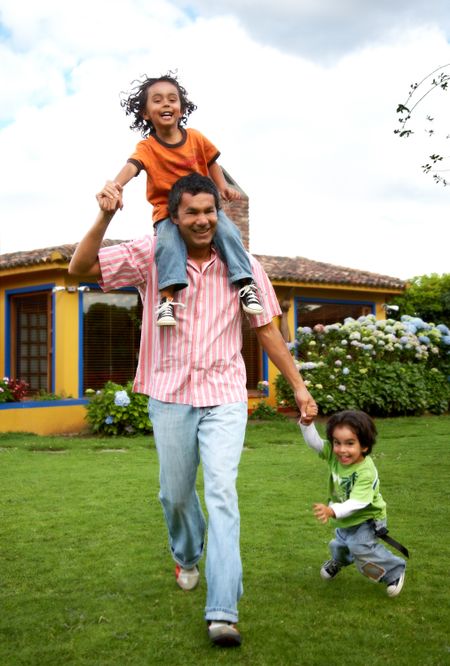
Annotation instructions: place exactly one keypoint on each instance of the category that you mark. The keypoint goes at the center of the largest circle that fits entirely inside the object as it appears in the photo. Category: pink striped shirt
(198, 362)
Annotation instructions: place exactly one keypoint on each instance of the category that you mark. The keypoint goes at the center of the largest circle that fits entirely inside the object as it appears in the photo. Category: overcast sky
(299, 96)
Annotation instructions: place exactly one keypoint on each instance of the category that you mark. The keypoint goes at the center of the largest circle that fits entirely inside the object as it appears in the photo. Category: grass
(86, 577)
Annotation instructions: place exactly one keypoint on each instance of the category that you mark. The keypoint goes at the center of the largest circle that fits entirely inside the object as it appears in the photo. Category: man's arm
(85, 258)
(111, 195)
(272, 342)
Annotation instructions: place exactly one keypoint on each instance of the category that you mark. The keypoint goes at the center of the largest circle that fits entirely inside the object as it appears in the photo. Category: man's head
(193, 205)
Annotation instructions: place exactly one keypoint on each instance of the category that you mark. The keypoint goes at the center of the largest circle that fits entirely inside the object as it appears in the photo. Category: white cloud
(311, 143)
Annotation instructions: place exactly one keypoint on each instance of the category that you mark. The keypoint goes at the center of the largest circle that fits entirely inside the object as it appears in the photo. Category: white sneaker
(187, 579)
(394, 588)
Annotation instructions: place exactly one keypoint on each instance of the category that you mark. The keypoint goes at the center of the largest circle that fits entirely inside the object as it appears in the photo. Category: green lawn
(86, 577)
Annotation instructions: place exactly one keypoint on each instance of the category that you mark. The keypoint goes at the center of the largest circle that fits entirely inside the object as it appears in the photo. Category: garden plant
(383, 367)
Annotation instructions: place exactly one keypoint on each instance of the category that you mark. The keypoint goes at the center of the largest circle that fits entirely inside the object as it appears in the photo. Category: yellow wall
(52, 420)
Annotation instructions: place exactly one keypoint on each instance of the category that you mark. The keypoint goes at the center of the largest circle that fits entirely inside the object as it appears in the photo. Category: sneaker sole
(254, 311)
(225, 637)
(166, 322)
(191, 585)
(396, 591)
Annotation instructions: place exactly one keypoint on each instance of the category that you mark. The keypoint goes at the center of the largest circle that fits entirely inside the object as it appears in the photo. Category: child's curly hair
(135, 102)
(359, 423)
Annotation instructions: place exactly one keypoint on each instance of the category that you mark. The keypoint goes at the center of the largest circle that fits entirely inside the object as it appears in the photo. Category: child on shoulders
(160, 108)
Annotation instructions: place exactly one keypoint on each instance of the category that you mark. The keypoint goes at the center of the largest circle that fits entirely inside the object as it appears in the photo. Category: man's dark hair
(135, 102)
(359, 423)
(193, 183)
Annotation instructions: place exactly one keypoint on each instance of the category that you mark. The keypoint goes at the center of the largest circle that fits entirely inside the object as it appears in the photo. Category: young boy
(355, 503)
(160, 108)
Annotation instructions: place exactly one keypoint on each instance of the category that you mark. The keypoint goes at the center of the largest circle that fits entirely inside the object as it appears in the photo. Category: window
(111, 335)
(310, 312)
(31, 338)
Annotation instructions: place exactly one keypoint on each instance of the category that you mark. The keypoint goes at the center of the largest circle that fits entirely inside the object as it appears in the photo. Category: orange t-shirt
(164, 163)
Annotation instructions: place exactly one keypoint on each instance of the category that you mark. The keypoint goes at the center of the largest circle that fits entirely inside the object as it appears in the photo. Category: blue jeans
(171, 253)
(359, 544)
(184, 435)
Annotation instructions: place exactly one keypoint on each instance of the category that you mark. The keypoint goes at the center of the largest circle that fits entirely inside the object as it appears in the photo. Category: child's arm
(226, 192)
(110, 197)
(311, 436)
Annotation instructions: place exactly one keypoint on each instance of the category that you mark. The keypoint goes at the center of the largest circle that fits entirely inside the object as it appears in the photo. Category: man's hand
(323, 512)
(306, 404)
(110, 197)
(230, 194)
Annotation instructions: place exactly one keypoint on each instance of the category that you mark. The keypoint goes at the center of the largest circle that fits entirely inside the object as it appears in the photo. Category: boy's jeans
(171, 253)
(184, 435)
(359, 544)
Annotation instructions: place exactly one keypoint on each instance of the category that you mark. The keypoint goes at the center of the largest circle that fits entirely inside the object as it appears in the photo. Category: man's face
(197, 219)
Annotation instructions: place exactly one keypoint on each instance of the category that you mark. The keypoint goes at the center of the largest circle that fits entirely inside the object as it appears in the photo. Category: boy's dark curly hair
(135, 102)
(359, 422)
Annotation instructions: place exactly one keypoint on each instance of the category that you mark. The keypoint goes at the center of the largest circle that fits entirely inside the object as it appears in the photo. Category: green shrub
(117, 410)
(384, 367)
(264, 412)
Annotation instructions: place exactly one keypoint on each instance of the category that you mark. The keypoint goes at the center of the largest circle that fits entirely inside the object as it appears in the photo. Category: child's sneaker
(249, 299)
(165, 312)
(394, 588)
(187, 579)
(330, 569)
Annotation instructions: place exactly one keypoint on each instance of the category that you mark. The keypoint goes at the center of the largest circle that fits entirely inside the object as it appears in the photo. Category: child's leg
(228, 242)
(372, 559)
(339, 550)
(170, 258)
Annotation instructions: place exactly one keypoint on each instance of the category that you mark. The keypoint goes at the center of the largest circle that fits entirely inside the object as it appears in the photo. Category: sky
(300, 97)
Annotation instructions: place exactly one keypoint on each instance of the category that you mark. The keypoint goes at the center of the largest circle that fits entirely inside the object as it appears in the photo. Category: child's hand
(311, 412)
(110, 197)
(323, 512)
(230, 194)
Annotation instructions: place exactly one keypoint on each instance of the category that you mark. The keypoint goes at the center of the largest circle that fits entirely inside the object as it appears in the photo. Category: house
(64, 336)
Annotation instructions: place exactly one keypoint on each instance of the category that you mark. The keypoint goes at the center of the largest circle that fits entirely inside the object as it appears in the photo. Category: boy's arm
(226, 192)
(270, 339)
(110, 196)
(311, 436)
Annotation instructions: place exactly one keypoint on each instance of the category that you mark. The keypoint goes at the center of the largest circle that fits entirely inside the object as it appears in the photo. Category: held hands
(306, 404)
(230, 194)
(323, 512)
(110, 197)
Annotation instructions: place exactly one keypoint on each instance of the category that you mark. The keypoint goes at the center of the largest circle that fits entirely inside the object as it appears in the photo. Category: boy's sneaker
(394, 588)
(224, 634)
(330, 569)
(187, 579)
(165, 313)
(249, 299)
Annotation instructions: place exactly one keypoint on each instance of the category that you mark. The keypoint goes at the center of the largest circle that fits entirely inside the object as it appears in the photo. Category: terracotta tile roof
(300, 269)
(292, 269)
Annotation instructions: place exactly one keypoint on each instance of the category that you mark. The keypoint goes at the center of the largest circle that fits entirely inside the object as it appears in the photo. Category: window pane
(30, 317)
(310, 313)
(111, 335)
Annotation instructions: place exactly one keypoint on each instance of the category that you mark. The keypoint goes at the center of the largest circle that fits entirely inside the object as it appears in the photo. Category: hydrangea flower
(121, 399)
(109, 419)
(345, 371)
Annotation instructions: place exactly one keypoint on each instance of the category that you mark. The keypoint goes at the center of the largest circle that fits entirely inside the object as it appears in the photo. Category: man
(195, 377)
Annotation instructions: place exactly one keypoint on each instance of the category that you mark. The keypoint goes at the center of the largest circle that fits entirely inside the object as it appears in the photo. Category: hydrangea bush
(12, 390)
(383, 367)
(116, 410)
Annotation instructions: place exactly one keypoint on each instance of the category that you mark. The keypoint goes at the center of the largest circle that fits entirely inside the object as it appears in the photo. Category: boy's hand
(323, 512)
(110, 197)
(306, 404)
(230, 194)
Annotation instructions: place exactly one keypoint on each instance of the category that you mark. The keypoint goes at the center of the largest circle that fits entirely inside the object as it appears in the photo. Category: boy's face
(163, 107)
(346, 446)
